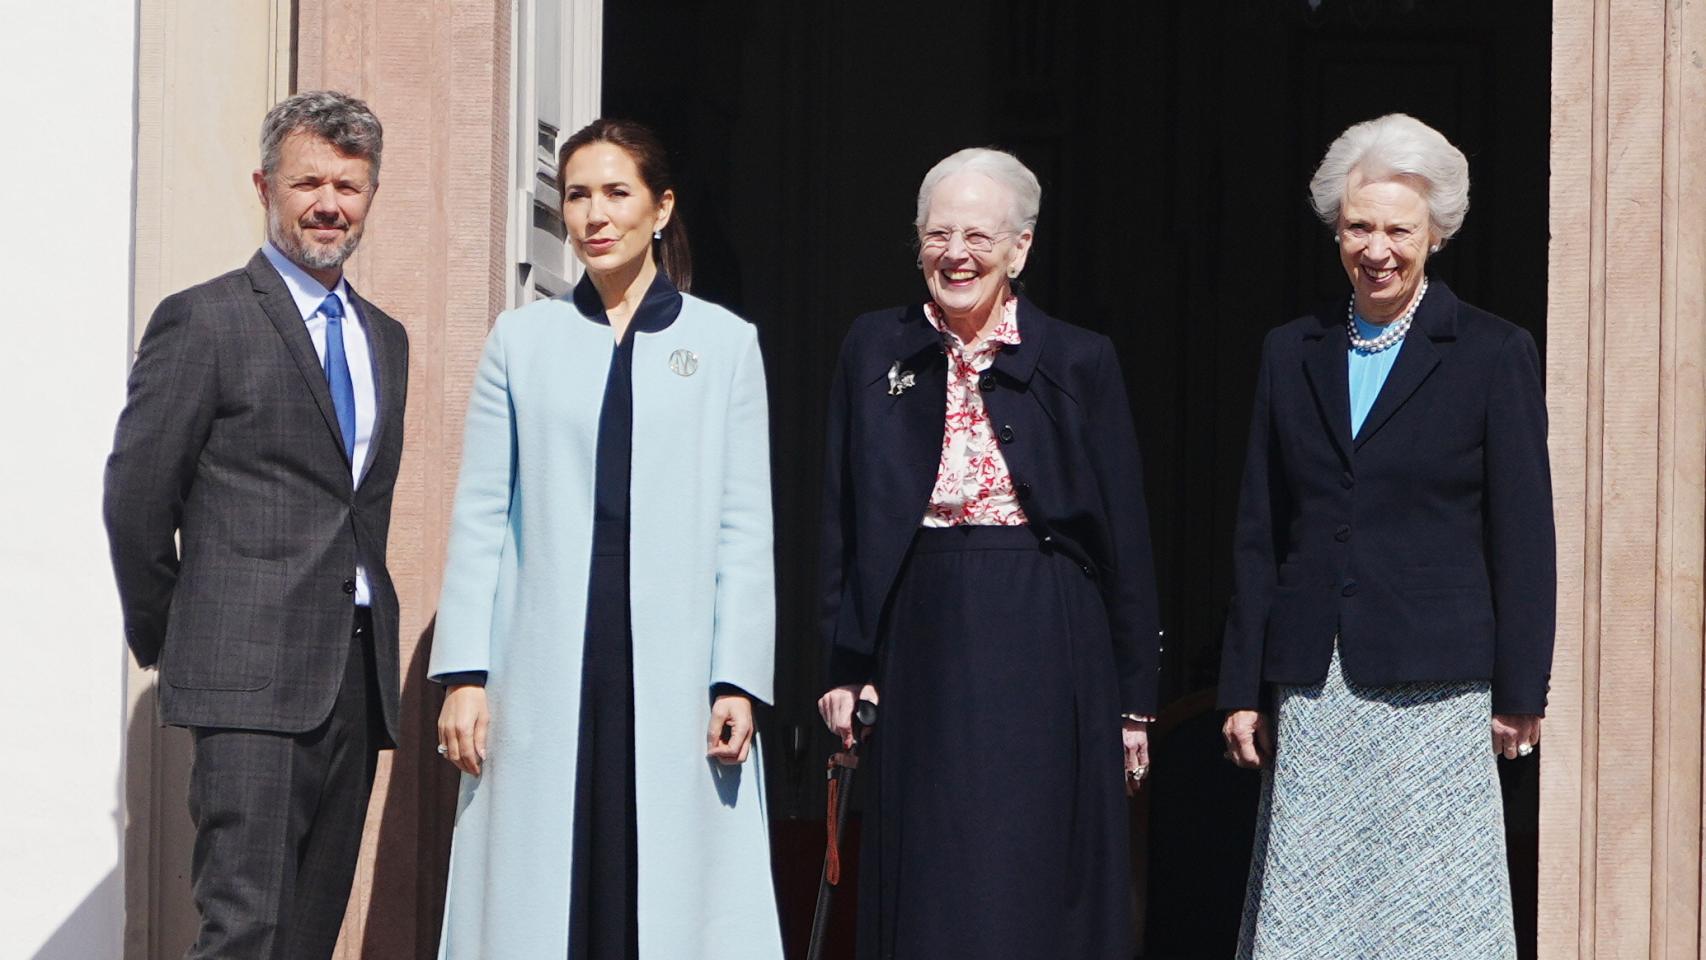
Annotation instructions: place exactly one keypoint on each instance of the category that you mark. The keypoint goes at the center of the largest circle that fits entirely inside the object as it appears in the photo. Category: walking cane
(841, 767)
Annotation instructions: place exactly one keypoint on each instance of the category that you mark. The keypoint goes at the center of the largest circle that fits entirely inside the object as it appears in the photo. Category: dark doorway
(1174, 142)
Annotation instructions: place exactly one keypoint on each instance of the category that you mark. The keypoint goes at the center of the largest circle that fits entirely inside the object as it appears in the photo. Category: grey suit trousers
(278, 822)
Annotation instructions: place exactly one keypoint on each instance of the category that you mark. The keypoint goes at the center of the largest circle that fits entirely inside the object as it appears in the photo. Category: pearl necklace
(1394, 331)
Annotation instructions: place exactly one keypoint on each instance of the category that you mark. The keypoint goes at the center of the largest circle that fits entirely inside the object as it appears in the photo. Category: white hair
(997, 165)
(1395, 145)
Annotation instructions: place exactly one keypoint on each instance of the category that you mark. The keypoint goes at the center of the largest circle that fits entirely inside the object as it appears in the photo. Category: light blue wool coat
(703, 607)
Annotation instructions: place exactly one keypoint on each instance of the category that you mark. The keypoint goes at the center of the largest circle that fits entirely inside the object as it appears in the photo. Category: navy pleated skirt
(998, 828)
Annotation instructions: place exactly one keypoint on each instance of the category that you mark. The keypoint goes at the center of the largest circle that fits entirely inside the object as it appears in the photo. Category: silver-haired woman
(987, 568)
(1394, 566)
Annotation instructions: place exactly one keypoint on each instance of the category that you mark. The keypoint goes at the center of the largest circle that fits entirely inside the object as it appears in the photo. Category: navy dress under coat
(1425, 544)
(1004, 656)
(603, 918)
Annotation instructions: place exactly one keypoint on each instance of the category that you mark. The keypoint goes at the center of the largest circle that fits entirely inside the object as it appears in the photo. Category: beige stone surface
(438, 76)
(207, 70)
(1621, 794)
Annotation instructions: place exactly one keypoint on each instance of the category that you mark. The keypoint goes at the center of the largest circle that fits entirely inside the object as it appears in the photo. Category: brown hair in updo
(648, 154)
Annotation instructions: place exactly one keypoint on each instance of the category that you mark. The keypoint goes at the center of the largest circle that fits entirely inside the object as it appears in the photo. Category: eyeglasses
(977, 241)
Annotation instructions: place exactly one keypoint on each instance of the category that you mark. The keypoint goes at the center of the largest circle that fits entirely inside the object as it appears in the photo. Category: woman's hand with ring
(1249, 739)
(1515, 734)
(836, 707)
(1134, 737)
(462, 725)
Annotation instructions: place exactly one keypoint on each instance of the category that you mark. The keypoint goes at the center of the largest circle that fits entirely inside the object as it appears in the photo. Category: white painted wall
(68, 71)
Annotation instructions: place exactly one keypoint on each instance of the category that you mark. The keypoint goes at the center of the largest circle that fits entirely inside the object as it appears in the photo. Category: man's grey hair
(1395, 145)
(997, 165)
(342, 120)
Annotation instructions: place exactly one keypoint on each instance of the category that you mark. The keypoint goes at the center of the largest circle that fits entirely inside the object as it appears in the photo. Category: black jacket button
(986, 382)
(1343, 533)
(1006, 434)
(349, 585)
(1350, 589)
(1023, 490)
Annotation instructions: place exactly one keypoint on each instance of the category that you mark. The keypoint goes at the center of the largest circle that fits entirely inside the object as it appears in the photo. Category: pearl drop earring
(657, 234)
(1434, 248)
(1335, 238)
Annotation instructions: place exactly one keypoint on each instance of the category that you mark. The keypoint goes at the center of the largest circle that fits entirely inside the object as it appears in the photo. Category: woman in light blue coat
(608, 613)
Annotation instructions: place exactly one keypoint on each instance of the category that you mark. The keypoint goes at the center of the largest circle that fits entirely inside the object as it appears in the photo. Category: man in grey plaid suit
(248, 498)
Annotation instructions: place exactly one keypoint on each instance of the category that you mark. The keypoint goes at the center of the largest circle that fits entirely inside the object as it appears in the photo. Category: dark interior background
(1174, 142)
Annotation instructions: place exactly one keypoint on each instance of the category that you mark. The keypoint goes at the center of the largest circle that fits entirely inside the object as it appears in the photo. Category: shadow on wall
(89, 930)
(93, 927)
(158, 837)
(412, 856)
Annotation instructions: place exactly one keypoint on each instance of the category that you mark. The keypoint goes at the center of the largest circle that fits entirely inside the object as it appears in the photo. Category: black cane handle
(865, 714)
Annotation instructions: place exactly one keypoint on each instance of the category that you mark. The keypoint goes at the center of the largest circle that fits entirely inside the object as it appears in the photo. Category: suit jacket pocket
(226, 624)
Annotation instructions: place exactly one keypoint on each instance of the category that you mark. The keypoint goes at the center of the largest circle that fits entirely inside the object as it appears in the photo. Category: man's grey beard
(314, 258)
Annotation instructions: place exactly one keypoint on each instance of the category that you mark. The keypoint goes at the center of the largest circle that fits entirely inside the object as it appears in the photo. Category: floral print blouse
(972, 482)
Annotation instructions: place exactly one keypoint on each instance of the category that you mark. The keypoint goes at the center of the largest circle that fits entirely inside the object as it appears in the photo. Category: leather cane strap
(832, 857)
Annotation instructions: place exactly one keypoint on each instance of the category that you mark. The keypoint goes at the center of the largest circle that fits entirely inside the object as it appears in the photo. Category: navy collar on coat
(1327, 367)
(657, 310)
(916, 343)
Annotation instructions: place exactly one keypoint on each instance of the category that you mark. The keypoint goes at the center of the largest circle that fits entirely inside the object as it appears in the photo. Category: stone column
(206, 73)
(1621, 792)
(438, 75)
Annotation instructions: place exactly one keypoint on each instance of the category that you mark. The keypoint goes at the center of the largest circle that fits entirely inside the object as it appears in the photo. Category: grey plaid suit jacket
(232, 518)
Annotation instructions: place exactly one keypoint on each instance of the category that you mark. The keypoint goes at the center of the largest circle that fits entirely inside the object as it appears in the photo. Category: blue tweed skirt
(1380, 832)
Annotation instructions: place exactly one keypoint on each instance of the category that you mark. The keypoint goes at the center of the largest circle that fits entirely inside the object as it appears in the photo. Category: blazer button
(1023, 490)
(986, 382)
(349, 585)
(1349, 589)
(1347, 481)
(1343, 533)
(1089, 571)
(1006, 434)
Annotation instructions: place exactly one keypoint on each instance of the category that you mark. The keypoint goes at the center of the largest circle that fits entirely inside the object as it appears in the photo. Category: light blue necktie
(337, 371)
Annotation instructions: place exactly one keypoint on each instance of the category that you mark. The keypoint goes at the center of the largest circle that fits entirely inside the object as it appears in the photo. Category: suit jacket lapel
(1325, 365)
(1436, 319)
(280, 308)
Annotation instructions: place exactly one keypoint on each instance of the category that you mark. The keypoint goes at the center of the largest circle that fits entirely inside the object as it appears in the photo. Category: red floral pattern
(972, 482)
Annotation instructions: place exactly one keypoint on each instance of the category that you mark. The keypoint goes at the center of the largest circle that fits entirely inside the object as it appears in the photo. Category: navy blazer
(1059, 408)
(1426, 542)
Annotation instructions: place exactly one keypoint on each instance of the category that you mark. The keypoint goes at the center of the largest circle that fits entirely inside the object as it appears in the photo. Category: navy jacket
(1059, 408)
(1426, 542)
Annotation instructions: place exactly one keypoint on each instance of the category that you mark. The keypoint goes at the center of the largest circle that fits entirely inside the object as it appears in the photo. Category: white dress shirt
(309, 294)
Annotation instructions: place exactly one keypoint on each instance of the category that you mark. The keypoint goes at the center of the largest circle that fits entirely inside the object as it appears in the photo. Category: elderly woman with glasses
(987, 569)
(1394, 566)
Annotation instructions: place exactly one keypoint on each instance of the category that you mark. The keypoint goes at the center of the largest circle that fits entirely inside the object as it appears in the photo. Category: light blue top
(1368, 371)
